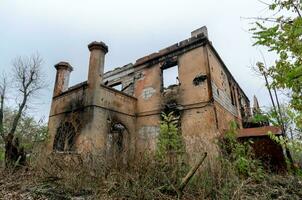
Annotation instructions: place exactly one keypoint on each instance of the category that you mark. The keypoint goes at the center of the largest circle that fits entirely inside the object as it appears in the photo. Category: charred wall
(229, 98)
(190, 98)
(206, 97)
(69, 108)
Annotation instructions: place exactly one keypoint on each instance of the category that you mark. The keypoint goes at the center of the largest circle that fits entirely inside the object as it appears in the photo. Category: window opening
(235, 99)
(64, 138)
(117, 86)
(232, 94)
(117, 144)
(170, 76)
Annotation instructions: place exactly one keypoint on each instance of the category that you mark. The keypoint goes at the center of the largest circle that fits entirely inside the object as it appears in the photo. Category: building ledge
(259, 131)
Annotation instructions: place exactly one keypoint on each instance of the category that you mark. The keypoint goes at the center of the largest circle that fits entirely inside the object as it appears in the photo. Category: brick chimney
(96, 63)
(203, 30)
(62, 77)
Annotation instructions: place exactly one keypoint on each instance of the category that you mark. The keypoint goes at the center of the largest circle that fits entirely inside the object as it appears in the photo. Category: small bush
(170, 143)
(240, 154)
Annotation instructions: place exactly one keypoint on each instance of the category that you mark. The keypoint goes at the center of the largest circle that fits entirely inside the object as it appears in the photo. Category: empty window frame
(65, 137)
(235, 96)
(170, 76)
(117, 144)
(118, 86)
(232, 94)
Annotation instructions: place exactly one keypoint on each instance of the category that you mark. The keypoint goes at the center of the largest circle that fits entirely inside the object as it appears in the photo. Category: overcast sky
(61, 29)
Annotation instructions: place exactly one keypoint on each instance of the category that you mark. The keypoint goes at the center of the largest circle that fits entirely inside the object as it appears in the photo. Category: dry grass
(146, 180)
(15, 186)
(71, 176)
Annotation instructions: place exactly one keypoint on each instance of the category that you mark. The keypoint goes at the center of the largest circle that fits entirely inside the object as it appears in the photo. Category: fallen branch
(189, 175)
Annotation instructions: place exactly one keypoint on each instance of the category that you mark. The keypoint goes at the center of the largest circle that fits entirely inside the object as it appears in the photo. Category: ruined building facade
(96, 115)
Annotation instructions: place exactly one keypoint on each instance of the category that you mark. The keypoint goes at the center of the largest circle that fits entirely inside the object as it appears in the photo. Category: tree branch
(28, 78)
(297, 10)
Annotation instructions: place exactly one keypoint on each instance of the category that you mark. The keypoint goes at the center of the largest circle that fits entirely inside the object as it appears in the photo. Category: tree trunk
(13, 152)
(288, 154)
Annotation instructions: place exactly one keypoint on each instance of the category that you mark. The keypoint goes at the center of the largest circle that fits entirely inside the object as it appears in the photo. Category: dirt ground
(17, 185)
(25, 185)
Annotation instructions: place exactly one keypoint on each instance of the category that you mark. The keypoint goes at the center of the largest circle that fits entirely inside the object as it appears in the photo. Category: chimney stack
(256, 107)
(96, 63)
(203, 30)
(62, 77)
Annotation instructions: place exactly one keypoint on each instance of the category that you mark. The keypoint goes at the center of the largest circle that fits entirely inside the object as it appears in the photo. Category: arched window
(116, 135)
(117, 143)
(65, 137)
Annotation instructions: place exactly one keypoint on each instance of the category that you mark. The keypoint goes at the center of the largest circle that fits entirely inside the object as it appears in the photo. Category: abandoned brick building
(118, 112)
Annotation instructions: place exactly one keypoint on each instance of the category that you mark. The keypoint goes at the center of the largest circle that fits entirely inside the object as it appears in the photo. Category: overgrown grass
(240, 154)
(235, 174)
(149, 178)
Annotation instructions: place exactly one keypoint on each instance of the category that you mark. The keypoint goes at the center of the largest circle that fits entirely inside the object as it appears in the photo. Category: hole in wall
(198, 80)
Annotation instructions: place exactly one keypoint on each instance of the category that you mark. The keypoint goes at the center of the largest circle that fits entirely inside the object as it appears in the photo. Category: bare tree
(27, 80)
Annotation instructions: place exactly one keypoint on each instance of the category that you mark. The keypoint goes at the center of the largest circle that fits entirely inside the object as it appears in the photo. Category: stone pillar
(96, 63)
(62, 77)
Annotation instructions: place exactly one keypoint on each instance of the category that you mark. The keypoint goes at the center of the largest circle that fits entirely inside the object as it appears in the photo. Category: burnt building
(118, 112)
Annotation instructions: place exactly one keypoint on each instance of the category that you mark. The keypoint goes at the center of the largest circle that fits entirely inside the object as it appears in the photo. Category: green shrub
(240, 154)
(170, 143)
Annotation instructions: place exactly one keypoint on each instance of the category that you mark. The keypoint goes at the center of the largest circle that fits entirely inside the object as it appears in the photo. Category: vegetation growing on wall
(170, 143)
